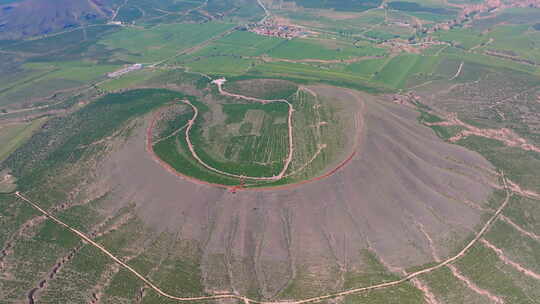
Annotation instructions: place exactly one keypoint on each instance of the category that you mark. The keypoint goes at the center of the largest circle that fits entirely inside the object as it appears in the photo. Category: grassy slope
(49, 167)
(14, 136)
(481, 265)
(396, 71)
(239, 152)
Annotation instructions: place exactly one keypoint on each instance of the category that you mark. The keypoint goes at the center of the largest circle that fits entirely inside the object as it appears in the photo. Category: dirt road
(207, 166)
(151, 285)
(288, 159)
(458, 71)
(266, 12)
(504, 135)
(171, 170)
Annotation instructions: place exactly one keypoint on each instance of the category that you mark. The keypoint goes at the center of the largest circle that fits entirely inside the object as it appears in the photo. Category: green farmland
(268, 151)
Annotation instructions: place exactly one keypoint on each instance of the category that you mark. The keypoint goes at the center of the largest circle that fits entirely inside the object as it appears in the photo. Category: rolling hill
(36, 17)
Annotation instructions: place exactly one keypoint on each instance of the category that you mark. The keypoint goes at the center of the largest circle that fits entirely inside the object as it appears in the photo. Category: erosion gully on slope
(359, 125)
(447, 262)
(507, 136)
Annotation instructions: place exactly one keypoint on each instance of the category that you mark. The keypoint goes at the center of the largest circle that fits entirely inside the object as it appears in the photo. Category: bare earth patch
(401, 168)
(7, 182)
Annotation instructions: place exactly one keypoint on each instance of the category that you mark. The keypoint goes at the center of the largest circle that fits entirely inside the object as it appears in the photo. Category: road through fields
(154, 287)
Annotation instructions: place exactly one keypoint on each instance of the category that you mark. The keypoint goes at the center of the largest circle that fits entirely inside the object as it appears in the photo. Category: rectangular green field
(128, 80)
(74, 70)
(158, 43)
(298, 49)
(240, 43)
(223, 65)
(299, 71)
(367, 67)
(395, 72)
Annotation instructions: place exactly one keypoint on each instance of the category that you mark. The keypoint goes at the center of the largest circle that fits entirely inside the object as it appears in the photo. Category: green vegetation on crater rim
(64, 140)
(72, 137)
(248, 143)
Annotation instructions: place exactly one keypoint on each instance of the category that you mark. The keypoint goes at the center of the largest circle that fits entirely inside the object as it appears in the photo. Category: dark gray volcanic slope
(404, 183)
(35, 17)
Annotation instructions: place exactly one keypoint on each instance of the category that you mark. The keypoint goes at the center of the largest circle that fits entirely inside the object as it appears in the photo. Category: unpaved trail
(495, 105)
(505, 135)
(33, 108)
(421, 84)
(359, 126)
(455, 272)
(207, 166)
(170, 135)
(447, 262)
(429, 296)
(288, 160)
(115, 14)
(266, 12)
(83, 88)
(508, 261)
(320, 148)
(458, 71)
(194, 48)
(187, 12)
(59, 265)
(212, 39)
(441, 50)
(312, 60)
(490, 41)
(114, 258)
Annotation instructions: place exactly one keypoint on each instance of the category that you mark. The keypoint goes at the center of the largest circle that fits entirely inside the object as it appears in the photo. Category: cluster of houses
(271, 28)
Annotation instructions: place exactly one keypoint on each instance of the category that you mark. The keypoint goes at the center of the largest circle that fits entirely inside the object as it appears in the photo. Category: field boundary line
(448, 261)
(207, 166)
(176, 173)
(288, 160)
(170, 135)
(114, 258)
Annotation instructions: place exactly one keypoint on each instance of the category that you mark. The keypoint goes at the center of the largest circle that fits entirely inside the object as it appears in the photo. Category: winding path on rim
(247, 300)
(288, 160)
(359, 125)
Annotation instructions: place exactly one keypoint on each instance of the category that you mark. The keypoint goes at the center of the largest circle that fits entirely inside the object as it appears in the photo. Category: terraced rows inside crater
(235, 141)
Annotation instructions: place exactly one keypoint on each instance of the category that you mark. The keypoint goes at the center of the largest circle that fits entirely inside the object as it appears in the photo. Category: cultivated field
(258, 139)
(388, 154)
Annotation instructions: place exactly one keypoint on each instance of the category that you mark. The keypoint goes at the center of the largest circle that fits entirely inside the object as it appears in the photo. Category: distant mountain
(22, 18)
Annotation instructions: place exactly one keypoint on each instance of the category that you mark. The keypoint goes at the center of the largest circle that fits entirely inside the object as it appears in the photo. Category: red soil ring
(233, 189)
